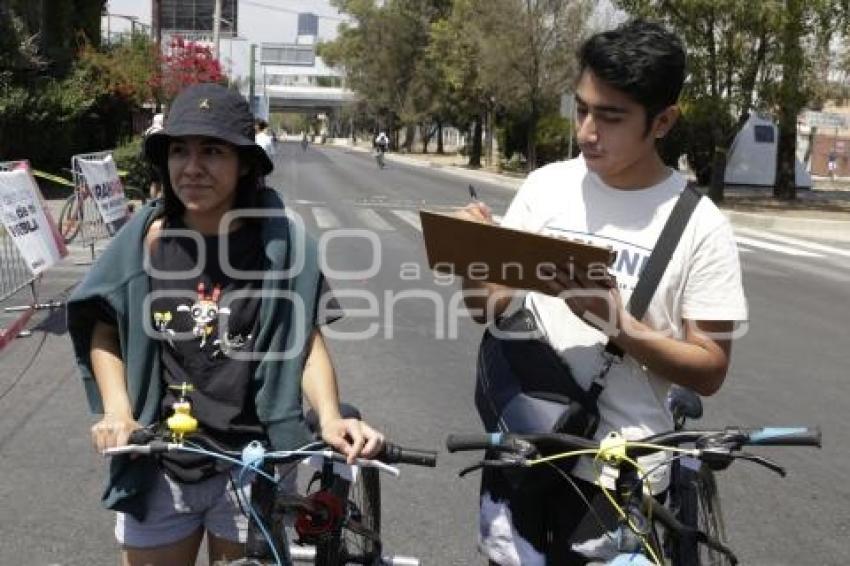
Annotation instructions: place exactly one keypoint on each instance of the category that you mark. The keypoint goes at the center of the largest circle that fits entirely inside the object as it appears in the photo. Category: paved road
(415, 382)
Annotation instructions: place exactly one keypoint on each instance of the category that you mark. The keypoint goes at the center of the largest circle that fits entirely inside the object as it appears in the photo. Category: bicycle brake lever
(470, 469)
(761, 460)
(504, 463)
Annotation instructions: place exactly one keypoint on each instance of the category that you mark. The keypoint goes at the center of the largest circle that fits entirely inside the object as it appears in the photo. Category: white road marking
(794, 241)
(373, 220)
(779, 248)
(410, 217)
(324, 217)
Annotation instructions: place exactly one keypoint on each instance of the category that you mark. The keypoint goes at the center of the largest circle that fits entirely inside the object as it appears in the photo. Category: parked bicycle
(72, 214)
(337, 521)
(647, 531)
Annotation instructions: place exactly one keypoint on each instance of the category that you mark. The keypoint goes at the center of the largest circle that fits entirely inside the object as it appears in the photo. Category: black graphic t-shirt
(203, 316)
(207, 315)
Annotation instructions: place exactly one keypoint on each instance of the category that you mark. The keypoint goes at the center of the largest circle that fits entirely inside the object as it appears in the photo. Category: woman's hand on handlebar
(112, 430)
(352, 438)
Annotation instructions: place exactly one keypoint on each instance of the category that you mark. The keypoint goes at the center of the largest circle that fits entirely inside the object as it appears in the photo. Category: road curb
(819, 228)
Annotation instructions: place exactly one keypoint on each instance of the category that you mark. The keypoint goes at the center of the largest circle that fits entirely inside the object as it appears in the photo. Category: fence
(92, 226)
(16, 275)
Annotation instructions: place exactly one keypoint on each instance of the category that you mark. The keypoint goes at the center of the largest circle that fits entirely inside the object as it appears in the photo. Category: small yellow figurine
(181, 422)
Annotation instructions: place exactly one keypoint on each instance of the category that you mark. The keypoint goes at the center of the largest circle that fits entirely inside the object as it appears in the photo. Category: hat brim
(156, 144)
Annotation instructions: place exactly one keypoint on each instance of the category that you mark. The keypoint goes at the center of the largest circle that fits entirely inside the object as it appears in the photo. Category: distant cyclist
(382, 143)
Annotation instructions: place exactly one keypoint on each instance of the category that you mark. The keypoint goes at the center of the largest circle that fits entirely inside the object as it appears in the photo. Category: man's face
(611, 130)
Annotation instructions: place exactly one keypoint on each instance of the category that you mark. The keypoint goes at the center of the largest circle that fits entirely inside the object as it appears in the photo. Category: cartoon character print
(204, 312)
(161, 320)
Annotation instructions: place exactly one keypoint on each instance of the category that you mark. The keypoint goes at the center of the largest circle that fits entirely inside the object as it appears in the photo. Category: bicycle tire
(69, 221)
(364, 500)
(697, 504)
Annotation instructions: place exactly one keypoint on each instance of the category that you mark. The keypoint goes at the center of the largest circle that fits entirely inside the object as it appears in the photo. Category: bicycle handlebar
(145, 441)
(733, 438)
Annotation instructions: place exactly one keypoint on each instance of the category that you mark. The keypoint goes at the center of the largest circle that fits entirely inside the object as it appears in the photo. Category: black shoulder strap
(660, 257)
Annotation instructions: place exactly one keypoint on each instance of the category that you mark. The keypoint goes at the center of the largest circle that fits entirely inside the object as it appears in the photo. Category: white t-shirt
(702, 282)
(265, 141)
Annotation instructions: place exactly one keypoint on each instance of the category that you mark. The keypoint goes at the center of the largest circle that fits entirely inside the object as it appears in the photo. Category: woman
(163, 310)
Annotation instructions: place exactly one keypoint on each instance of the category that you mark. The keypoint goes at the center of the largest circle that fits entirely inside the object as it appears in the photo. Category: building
(272, 42)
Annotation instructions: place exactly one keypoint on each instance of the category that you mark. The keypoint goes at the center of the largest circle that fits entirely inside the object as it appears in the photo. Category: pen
(472, 192)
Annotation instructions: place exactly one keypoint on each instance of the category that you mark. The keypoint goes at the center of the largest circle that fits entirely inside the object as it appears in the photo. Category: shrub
(128, 157)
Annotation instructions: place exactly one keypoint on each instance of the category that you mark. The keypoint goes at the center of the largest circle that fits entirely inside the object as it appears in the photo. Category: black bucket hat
(211, 110)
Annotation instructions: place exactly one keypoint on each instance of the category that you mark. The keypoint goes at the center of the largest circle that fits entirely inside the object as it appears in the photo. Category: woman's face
(204, 173)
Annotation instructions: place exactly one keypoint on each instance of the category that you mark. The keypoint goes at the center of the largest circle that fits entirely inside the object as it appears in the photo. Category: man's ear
(665, 120)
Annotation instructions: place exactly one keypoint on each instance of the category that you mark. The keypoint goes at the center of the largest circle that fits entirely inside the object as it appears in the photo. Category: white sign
(25, 221)
(824, 119)
(101, 178)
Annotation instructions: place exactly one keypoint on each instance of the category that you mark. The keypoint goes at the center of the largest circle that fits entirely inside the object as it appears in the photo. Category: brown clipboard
(502, 255)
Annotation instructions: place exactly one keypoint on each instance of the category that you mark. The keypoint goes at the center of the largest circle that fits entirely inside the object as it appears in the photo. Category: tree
(382, 56)
(125, 70)
(745, 56)
(185, 63)
(455, 52)
(529, 76)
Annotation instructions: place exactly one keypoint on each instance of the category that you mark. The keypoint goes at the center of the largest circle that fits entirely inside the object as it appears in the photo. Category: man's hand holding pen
(476, 210)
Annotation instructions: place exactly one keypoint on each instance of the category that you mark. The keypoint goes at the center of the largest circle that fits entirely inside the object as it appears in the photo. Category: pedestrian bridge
(307, 99)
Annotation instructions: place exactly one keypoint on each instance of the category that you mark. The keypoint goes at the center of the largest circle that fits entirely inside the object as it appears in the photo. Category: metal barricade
(92, 227)
(15, 275)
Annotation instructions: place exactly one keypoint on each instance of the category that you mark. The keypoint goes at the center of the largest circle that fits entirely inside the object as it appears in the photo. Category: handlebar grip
(141, 436)
(395, 454)
(785, 436)
(463, 442)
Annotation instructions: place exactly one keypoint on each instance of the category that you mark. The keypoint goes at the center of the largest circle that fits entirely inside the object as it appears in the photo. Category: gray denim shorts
(176, 510)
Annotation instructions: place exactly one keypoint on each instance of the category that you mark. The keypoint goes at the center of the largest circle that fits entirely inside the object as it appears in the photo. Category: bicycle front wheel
(70, 219)
(694, 494)
(364, 508)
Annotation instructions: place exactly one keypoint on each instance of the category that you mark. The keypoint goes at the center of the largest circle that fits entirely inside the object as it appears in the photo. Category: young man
(618, 193)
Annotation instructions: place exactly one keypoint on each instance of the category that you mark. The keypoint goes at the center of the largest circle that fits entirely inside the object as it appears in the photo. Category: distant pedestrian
(262, 137)
(155, 188)
(832, 164)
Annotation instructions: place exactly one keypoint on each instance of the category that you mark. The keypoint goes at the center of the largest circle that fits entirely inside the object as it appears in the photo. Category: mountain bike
(693, 495)
(637, 540)
(72, 214)
(337, 521)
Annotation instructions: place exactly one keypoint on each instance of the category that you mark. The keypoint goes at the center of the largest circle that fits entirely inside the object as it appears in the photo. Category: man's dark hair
(261, 124)
(642, 60)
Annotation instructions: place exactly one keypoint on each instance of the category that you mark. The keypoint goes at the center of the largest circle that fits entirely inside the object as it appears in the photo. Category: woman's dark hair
(641, 59)
(247, 187)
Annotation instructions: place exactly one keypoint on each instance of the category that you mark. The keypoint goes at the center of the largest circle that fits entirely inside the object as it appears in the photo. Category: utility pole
(217, 27)
(156, 29)
(156, 23)
(251, 77)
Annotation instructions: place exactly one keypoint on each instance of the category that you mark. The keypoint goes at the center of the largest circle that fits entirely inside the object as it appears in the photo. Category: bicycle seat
(347, 411)
(684, 403)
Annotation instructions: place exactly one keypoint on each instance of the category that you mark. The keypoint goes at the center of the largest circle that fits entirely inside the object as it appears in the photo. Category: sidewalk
(822, 213)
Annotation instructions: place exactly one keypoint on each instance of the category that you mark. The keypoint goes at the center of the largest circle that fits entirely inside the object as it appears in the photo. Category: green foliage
(746, 56)
(553, 138)
(128, 157)
(125, 70)
(694, 133)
